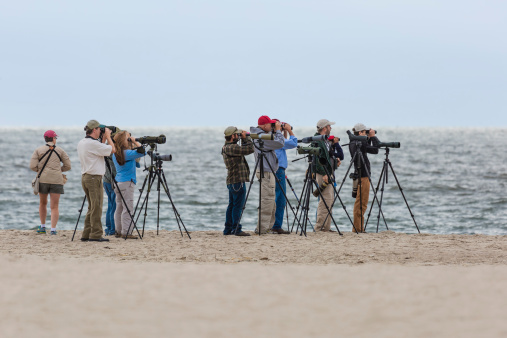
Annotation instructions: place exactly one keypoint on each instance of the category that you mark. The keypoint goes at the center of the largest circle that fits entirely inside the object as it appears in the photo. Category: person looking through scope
(238, 173)
(266, 217)
(290, 143)
(363, 193)
(91, 153)
(323, 167)
(125, 163)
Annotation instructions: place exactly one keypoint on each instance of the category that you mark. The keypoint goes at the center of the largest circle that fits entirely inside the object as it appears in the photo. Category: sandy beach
(382, 285)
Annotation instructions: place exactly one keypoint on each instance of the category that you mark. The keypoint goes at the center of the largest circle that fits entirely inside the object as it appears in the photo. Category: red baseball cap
(50, 133)
(330, 137)
(264, 119)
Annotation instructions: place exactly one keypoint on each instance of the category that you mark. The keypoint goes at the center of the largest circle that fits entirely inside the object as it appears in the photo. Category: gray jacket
(269, 147)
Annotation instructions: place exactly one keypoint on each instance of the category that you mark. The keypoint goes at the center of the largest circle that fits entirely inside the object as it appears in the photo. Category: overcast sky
(217, 63)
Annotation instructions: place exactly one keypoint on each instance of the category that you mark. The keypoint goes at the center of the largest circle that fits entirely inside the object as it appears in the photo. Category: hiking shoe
(279, 231)
(131, 237)
(242, 233)
(53, 232)
(41, 230)
(117, 235)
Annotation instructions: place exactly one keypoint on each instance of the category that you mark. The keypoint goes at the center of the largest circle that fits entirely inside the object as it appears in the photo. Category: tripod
(299, 204)
(261, 157)
(309, 182)
(155, 172)
(384, 178)
(122, 198)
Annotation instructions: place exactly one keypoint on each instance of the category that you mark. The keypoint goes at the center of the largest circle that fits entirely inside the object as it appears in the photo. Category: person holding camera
(91, 151)
(238, 173)
(46, 161)
(361, 172)
(291, 142)
(323, 168)
(266, 125)
(125, 163)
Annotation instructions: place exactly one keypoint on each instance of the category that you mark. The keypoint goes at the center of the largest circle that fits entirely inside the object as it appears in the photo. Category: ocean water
(455, 180)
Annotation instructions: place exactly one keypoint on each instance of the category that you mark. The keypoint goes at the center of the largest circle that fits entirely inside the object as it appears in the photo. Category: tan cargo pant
(266, 216)
(361, 202)
(94, 190)
(323, 220)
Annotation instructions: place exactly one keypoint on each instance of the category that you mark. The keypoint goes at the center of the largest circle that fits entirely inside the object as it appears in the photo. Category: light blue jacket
(127, 172)
(291, 143)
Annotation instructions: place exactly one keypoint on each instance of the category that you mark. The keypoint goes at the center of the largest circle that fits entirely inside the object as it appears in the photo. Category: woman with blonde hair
(125, 163)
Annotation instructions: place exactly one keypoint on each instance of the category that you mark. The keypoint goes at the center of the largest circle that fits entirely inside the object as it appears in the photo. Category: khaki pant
(266, 214)
(323, 220)
(94, 190)
(361, 202)
(122, 220)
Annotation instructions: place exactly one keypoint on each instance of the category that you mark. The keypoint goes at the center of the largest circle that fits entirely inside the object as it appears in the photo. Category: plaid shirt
(235, 162)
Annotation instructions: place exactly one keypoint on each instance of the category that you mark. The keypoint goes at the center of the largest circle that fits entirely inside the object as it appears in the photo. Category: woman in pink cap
(49, 157)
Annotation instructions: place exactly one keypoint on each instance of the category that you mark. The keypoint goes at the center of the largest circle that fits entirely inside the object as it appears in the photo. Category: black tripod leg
(80, 211)
(299, 205)
(337, 196)
(384, 180)
(373, 202)
(176, 213)
(158, 203)
(281, 189)
(406, 202)
(327, 208)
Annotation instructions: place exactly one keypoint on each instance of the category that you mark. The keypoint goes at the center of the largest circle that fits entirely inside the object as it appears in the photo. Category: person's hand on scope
(338, 162)
(288, 128)
(107, 134)
(371, 133)
(243, 134)
(132, 140)
(278, 126)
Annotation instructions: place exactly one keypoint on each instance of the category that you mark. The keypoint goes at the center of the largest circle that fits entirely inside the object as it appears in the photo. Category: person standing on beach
(268, 182)
(111, 196)
(363, 193)
(291, 142)
(125, 162)
(51, 178)
(323, 168)
(238, 173)
(91, 151)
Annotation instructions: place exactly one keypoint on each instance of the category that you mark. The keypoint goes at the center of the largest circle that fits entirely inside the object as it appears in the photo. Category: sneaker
(242, 233)
(53, 232)
(279, 231)
(41, 230)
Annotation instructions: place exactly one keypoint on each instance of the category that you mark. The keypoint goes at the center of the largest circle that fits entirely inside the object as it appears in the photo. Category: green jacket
(324, 154)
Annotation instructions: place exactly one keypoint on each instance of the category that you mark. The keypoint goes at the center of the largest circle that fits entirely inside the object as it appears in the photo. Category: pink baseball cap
(50, 133)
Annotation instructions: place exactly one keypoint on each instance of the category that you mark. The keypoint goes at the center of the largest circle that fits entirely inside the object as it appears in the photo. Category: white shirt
(91, 155)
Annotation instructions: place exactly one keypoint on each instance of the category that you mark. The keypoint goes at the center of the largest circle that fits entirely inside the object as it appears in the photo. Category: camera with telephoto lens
(158, 157)
(152, 139)
(308, 150)
(355, 183)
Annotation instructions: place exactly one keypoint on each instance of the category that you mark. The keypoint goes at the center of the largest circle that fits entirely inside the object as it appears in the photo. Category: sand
(382, 285)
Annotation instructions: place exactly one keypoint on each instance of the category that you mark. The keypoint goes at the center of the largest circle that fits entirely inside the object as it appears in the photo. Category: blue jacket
(337, 151)
(127, 172)
(291, 143)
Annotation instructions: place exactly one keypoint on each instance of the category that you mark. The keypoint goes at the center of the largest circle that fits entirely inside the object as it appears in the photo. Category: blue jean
(111, 208)
(280, 199)
(237, 193)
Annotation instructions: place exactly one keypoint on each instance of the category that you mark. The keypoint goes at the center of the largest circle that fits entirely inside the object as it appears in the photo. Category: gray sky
(216, 63)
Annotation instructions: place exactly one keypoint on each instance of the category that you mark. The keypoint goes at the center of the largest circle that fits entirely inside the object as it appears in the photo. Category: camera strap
(50, 151)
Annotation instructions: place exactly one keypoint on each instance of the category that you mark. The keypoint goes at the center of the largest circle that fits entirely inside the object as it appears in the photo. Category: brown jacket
(52, 173)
